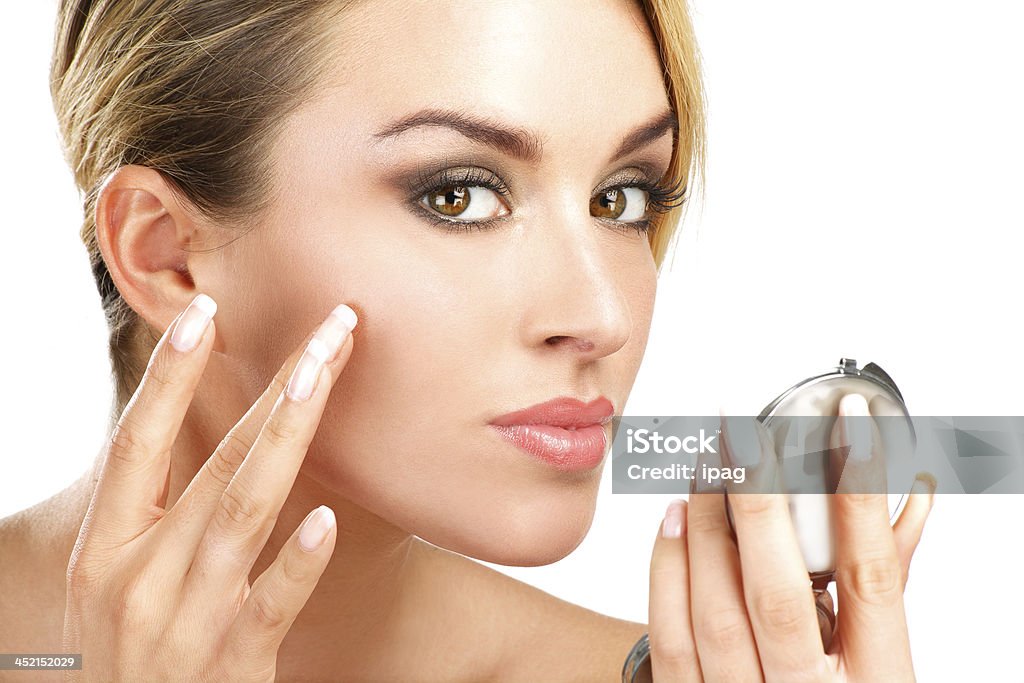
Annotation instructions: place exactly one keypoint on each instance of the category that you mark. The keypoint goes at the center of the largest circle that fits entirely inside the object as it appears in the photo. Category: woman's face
(529, 298)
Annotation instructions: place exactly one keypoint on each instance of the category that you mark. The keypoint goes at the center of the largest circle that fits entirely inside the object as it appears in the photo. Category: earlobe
(144, 234)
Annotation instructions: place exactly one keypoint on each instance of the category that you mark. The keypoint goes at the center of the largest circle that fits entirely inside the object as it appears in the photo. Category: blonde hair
(680, 56)
(197, 89)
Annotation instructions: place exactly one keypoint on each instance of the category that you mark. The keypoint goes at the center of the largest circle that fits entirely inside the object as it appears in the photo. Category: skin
(454, 330)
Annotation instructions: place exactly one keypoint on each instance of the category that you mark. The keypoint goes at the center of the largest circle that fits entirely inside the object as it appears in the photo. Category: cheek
(405, 398)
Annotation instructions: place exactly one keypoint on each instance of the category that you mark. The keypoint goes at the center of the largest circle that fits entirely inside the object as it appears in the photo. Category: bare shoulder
(36, 543)
(542, 637)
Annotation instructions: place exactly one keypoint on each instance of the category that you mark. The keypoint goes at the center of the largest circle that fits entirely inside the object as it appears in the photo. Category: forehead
(564, 68)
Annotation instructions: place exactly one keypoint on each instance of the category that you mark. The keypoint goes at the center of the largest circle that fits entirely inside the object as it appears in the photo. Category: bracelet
(637, 667)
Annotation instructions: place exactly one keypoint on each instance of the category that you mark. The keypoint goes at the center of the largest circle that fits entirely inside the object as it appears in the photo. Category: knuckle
(876, 581)
(82, 579)
(87, 572)
(131, 606)
(674, 652)
(219, 469)
(127, 446)
(235, 447)
(159, 375)
(280, 433)
(268, 613)
(239, 511)
(781, 611)
(724, 629)
(702, 519)
(667, 568)
(226, 459)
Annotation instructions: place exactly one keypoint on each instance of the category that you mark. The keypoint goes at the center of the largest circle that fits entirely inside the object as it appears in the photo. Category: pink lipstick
(563, 432)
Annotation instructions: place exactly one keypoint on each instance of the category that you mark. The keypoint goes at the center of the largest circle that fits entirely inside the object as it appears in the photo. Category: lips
(563, 432)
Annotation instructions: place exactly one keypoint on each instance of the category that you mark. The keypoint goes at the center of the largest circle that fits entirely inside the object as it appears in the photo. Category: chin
(518, 531)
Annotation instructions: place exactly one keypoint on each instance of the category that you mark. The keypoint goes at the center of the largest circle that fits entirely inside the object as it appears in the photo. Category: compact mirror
(802, 448)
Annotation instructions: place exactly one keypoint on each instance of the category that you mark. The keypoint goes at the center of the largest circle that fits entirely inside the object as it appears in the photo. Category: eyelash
(661, 196)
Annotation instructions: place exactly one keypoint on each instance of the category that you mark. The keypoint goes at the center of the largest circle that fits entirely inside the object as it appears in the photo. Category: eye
(624, 204)
(466, 203)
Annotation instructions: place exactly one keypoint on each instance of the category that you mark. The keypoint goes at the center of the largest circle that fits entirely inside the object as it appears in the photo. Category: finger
(133, 475)
(673, 653)
(872, 624)
(248, 509)
(775, 581)
(856, 459)
(910, 525)
(748, 448)
(776, 587)
(826, 617)
(280, 592)
(187, 520)
(722, 631)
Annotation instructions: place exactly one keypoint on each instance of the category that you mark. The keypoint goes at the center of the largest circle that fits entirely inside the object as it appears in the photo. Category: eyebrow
(517, 142)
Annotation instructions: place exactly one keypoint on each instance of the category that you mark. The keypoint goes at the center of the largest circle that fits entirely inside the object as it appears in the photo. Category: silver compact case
(815, 401)
(804, 444)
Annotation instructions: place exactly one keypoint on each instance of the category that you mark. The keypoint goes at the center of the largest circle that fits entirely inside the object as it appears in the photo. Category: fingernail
(322, 348)
(672, 525)
(315, 528)
(336, 327)
(193, 323)
(742, 440)
(856, 426)
(925, 484)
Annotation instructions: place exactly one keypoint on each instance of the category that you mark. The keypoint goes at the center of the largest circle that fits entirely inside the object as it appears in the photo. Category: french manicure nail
(857, 426)
(193, 323)
(672, 525)
(315, 528)
(322, 349)
(303, 379)
(924, 483)
(335, 328)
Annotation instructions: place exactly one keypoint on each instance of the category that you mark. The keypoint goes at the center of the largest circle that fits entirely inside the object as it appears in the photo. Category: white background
(863, 199)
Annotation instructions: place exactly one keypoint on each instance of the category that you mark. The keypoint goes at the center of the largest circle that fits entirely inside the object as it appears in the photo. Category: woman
(449, 218)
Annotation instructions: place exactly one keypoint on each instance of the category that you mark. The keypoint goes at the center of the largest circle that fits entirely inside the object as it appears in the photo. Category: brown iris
(450, 201)
(608, 204)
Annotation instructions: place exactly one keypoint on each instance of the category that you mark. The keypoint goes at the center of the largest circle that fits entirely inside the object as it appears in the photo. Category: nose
(576, 302)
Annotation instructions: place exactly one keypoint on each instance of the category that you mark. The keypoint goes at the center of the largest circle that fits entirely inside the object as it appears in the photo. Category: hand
(743, 610)
(162, 594)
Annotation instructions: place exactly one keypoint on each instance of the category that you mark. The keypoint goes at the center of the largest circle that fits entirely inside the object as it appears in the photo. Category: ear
(144, 235)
